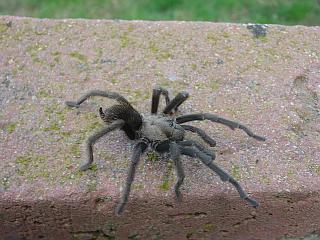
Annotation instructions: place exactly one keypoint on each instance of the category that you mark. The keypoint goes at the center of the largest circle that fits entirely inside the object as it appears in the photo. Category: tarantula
(162, 133)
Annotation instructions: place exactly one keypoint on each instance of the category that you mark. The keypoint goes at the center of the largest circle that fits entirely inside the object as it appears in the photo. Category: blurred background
(289, 12)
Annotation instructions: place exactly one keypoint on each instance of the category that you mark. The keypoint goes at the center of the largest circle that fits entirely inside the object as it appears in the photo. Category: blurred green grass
(289, 12)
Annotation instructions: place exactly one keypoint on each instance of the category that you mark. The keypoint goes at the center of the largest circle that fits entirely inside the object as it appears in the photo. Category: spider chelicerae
(163, 133)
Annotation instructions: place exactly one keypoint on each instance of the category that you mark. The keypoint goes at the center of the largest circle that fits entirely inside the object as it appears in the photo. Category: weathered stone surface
(266, 77)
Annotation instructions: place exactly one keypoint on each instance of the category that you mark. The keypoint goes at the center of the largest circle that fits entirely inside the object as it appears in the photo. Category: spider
(163, 133)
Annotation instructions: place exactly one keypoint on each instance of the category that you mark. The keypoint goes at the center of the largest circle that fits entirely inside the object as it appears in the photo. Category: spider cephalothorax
(162, 133)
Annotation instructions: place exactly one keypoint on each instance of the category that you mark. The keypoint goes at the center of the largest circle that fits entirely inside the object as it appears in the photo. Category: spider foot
(120, 208)
(72, 104)
(85, 167)
(178, 197)
(259, 138)
(253, 202)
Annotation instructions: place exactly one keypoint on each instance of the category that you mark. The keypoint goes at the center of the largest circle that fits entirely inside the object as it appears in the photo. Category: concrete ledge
(266, 77)
(220, 217)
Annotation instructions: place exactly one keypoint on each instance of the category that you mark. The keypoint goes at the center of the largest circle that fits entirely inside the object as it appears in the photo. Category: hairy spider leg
(224, 176)
(176, 102)
(138, 150)
(215, 118)
(201, 133)
(132, 117)
(99, 93)
(93, 138)
(157, 91)
(164, 146)
(175, 156)
(192, 143)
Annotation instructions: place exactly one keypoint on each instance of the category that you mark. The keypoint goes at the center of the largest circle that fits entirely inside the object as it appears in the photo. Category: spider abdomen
(161, 128)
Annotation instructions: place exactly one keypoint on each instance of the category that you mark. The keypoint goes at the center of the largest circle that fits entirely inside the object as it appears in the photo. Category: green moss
(99, 52)
(50, 108)
(41, 32)
(44, 174)
(76, 55)
(214, 85)
(159, 74)
(179, 84)
(75, 150)
(200, 85)
(93, 126)
(229, 49)
(165, 185)
(56, 53)
(137, 186)
(74, 176)
(314, 168)
(152, 157)
(290, 173)
(236, 111)
(124, 40)
(160, 54)
(164, 55)
(208, 227)
(10, 127)
(55, 112)
(3, 27)
(33, 51)
(31, 166)
(90, 116)
(265, 180)
(65, 134)
(38, 60)
(54, 126)
(130, 28)
(194, 66)
(166, 180)
(271, 52)
(114, 81)
(93, 167)
(235, 171)
(292, 135)
(206, 63)
(18, 36)
(26, 159)
(60, 116)
(43, 94)
(169, 168)
(153, 48)
(226, 35)
(263, 39)
(15, 72)
(56, 59)
(137, 95)
(212, 38)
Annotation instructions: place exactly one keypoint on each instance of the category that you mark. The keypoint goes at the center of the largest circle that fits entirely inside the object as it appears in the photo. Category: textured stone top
(264, 76)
